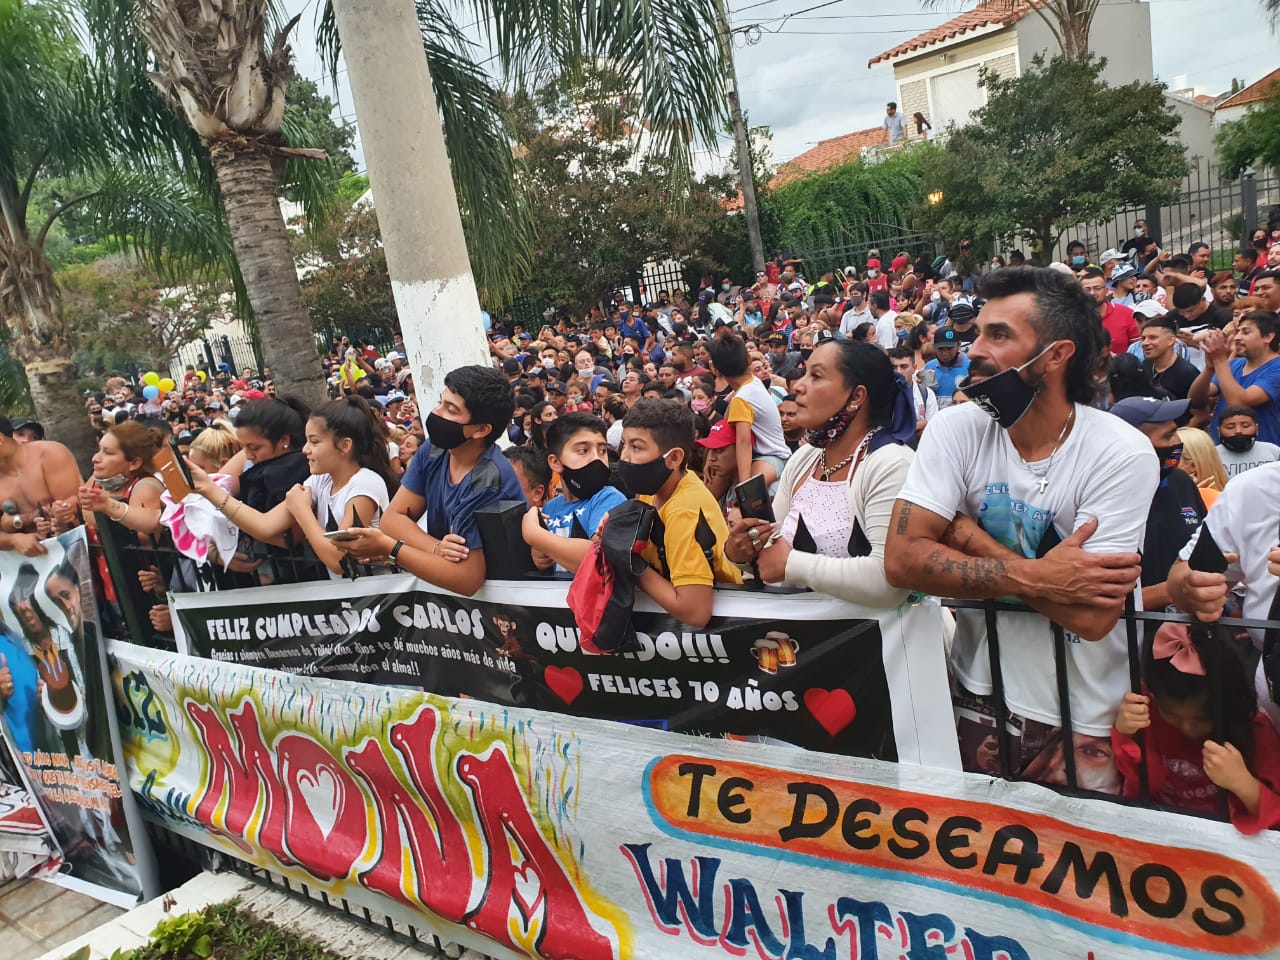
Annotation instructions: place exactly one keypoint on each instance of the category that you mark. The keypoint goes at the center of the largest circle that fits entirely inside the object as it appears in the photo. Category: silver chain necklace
(828, 472)
(1043, 478)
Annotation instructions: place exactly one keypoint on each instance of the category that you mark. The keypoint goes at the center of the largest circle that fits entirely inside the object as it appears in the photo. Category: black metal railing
(126, 553)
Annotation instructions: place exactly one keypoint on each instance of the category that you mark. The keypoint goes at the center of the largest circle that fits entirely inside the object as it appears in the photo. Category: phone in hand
(341, 536)
(753, 499)
(173, 471)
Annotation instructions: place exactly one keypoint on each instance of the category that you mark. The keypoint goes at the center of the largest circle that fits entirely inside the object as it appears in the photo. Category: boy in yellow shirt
(686, 556)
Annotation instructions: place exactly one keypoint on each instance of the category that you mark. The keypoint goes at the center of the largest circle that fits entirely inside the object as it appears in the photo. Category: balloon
(204, 377)
(167, 384)
(151, 392)
(152, 379)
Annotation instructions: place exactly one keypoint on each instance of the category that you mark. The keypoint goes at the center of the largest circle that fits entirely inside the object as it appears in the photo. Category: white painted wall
(1121, 33)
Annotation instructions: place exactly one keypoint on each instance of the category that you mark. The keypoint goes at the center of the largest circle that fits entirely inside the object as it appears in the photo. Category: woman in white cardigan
(836, 494)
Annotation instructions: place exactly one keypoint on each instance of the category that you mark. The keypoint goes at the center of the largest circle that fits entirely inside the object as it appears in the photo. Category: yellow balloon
(167, 384)
(152, 379)
(202, 375)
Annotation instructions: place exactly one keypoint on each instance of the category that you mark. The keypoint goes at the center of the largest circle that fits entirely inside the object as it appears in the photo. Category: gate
(861, 238)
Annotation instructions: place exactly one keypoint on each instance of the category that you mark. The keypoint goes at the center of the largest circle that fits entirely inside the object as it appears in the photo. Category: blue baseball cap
(1136, 411)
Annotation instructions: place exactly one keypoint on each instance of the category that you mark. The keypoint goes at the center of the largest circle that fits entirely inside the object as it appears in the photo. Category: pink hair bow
(1173, 643)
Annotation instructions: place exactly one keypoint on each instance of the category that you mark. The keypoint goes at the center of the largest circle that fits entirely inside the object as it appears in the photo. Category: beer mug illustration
(787, 648)
(766, 651)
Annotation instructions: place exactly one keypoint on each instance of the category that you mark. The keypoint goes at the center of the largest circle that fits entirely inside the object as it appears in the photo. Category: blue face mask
(1077, 261)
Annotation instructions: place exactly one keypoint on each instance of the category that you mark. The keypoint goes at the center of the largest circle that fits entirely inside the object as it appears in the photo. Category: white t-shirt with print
(966, 464)
(1241, 524)
(1260, 454)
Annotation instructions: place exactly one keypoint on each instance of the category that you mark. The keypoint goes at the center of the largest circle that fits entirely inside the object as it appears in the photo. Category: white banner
(528, 834)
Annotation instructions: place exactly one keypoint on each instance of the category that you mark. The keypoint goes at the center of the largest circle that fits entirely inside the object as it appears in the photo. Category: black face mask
(1170, 457)
(445, 434)
(1240, 443)
(1005, 397)
(644, 479)
(806, 353)
(585, 482)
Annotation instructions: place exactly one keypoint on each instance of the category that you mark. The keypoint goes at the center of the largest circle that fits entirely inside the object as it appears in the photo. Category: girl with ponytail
(350, 484)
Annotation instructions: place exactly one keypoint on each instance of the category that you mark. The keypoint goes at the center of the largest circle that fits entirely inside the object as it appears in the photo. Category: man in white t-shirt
(886, 328)
(1247, 535)
(893, 123)
(1030, 493)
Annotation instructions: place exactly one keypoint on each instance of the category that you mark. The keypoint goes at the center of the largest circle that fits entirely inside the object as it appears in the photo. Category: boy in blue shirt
(579, 459)
(429, 528)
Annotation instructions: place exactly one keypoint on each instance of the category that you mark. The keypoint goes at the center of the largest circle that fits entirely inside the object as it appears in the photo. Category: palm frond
(174, 228)
(669, 52)
(494, 211)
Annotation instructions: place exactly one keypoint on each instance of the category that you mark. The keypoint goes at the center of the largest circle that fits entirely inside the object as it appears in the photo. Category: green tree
(854, 203)
(1254, 138)
(97, 125)
(351, 291)
(600, 210)
(121, 316)
(674, 86)
(1052, 148)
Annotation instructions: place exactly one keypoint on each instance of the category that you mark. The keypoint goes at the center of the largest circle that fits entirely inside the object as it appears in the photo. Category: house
(937, 72)
(830, 153)
(1237, 105)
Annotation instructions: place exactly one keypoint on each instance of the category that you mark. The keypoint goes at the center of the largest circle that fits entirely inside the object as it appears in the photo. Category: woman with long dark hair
(350, 483)
(838, 489)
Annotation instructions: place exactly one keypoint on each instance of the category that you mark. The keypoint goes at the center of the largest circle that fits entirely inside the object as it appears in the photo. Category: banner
(801, 668)
(526, 834)
(59, 723)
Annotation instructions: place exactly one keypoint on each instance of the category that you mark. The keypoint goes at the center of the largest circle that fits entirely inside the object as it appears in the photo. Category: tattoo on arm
(904, 518)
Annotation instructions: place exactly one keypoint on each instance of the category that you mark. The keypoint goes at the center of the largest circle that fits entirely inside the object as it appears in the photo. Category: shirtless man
(38, 485)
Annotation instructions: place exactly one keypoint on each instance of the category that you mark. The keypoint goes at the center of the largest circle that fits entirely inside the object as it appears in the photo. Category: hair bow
(1173, 643)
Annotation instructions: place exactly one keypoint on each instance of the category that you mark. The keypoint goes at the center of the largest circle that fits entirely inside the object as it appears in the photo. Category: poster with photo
(59, 720)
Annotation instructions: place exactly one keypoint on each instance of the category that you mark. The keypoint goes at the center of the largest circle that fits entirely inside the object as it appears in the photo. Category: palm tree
(213, 65)
(63, 117)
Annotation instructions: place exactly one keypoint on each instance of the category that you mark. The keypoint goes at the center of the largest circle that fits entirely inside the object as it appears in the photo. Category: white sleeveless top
(825, 508)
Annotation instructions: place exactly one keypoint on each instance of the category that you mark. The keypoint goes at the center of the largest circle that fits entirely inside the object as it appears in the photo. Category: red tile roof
(990, 13)
(1252, 93)
(829, 153)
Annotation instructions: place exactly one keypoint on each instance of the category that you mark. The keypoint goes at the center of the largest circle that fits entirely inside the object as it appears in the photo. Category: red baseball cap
(722, 435)
(873, 264)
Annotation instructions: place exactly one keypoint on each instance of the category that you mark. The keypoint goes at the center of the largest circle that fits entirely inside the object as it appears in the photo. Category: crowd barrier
(460, 766)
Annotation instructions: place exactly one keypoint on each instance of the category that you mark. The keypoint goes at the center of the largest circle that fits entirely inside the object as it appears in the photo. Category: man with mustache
(1030, 492)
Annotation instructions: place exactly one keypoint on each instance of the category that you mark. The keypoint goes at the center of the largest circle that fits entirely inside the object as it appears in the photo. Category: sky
(807, 77)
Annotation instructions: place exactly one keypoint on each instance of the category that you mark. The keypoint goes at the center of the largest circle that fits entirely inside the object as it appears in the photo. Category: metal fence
(888, 238)
(237, 351)
(126, 553)
(1209, 208)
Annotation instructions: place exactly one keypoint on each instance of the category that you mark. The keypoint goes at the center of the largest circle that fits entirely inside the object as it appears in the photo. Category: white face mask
(873, 273)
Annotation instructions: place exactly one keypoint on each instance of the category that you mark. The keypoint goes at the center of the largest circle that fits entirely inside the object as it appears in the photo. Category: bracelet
(232, 514)
(120, 519)
(225, 500)
(395, 552)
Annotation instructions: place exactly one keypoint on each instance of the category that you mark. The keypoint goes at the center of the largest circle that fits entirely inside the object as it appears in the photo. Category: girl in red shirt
(1185, 768)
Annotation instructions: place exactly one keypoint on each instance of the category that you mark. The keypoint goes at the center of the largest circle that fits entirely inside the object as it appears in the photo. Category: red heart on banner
(565, 683)
(833, 709)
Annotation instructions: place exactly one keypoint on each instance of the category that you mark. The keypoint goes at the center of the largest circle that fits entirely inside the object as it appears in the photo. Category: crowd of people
(1076, 437)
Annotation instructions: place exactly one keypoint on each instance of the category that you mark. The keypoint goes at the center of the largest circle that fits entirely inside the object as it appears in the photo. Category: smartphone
(341, 536)
(173, 472)
(753, 499)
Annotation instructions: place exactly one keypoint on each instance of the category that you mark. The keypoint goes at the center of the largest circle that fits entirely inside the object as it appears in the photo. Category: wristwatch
(395, 552)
